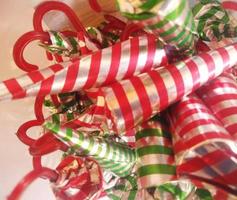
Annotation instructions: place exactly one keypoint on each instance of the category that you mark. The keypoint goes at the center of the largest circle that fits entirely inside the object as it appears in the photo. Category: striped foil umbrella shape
(213, 22)
(220, 95)
(202, 145)
(132, 101)
(171, 21)
(155, 164)
(102, 67)
(112, 156)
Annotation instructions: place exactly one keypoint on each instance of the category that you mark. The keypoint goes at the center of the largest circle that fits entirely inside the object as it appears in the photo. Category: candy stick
(171, 21)
(220, 95)
(120, 61)
(20, 45)
(24, 40)
(135, 100)
(202, 146)
(155, 155)
(213, 22)
(110, 155)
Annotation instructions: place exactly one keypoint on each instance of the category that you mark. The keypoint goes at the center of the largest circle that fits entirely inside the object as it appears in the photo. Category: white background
(15, 161)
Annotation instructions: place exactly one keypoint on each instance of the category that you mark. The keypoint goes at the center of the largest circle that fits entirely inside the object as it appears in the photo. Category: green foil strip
(112, 156)
(171, 21)
(178, 190)
(212, 21)
(61, 45)
(125, 188)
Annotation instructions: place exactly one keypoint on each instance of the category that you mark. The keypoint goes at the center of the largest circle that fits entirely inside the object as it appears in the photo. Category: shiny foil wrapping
(220, 95)
(78, 179)
(171, 21)
(203, 147)
(102, 67)
(113, 146)
(155, 164)
(127, 189)
(213, 21)
(112, 156)
(135, 100)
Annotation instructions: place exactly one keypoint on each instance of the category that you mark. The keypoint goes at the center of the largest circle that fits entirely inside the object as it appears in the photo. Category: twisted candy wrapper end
(102, 67)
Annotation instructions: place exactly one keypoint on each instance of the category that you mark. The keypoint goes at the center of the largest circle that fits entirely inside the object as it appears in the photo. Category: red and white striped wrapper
(220, 95)
(135, 100)
(102, 67)
(14, 88)
(202, 145)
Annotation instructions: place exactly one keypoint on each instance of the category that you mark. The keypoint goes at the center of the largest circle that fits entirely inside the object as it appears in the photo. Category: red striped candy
(137, 99)
(220, 95)
(120, 61)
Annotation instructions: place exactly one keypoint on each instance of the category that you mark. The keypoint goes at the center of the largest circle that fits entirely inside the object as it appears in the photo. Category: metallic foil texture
(120, 61)
(171, 21)
(220, 95)
(115, 157)
(137, 99)
(202, 146)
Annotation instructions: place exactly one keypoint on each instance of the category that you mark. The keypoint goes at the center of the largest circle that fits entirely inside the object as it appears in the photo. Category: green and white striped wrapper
(212, 21)
(111, 156)
(171, 21)
(155, 165)
(182, 189)
(178, 190)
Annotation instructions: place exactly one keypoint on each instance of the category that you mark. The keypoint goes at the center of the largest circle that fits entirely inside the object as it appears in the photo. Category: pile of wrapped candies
(142, 106)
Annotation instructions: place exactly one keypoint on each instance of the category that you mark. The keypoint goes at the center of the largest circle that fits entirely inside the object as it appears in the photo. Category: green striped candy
(170, 20)
(212, 21)
(112, 156)
(155, 165)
